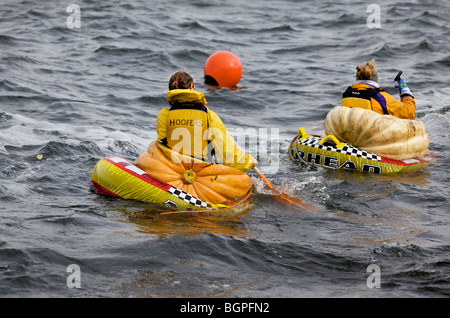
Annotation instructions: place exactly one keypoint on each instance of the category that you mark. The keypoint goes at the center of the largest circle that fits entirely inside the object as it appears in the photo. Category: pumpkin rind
(384, 135)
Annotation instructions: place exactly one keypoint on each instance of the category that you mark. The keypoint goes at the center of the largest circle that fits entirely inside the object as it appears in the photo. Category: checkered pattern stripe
(313, 141)
(189, 198)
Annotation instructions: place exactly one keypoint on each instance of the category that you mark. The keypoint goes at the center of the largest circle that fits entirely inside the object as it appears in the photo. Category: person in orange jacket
(366, 93)
(190, 128)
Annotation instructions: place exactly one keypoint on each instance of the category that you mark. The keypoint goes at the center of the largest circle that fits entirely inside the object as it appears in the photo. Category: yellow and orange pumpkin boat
(162, 176)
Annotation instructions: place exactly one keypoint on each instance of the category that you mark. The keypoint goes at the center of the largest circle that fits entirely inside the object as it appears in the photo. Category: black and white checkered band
(189, 198)
(313, 141)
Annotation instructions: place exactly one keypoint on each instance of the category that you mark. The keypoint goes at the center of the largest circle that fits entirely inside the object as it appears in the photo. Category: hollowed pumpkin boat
(162, 176)
(364, 141)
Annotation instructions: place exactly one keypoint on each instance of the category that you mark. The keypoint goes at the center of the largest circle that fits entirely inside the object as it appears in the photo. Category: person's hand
(402, 87)
(255, 163)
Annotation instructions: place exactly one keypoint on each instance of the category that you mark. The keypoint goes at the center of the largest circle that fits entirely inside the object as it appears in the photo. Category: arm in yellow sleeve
(227, 151)
(161, 123)
(404, 109)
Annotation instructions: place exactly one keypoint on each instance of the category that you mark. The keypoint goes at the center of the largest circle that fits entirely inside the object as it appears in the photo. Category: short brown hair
(366, 71)
(180, 80)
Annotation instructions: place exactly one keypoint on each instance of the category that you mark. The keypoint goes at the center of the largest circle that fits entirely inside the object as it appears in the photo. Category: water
(68, 97)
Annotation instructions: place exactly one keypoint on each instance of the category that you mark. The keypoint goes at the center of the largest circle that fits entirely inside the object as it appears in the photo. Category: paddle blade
(293, 201)
(283, 197)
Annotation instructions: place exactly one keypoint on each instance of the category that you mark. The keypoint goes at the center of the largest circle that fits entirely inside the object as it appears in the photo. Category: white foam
(23, 131)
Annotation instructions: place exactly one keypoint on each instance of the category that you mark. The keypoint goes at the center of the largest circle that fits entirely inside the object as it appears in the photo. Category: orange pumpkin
(214, 183)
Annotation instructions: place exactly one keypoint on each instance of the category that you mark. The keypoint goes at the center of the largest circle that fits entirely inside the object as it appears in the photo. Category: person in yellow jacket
(366, 93)
(190, 128)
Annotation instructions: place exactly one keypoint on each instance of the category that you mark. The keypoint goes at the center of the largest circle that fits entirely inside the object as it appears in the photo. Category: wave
(414, 269)
(69, 97)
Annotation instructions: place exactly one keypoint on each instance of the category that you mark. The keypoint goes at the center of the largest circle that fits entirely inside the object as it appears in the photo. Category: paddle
(397, 78)
(283, 197)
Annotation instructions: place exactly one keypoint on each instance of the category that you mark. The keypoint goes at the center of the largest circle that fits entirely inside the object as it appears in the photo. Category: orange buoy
(223, 69)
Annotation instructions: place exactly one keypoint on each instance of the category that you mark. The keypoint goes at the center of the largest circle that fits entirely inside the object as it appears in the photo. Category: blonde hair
(366, 71)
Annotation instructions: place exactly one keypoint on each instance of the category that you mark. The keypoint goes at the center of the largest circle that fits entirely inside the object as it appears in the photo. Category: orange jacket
(368, 95)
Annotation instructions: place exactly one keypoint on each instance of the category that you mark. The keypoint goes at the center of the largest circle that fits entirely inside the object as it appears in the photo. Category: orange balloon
(223, 69)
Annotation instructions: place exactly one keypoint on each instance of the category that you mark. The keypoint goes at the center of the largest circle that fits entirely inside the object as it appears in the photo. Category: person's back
(366, 93)
(190, 128)
(188, 132)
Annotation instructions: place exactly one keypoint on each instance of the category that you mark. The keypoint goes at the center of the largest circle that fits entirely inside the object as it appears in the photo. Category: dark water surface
(68, 97)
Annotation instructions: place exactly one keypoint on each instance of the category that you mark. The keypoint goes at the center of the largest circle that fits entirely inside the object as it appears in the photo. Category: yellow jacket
(190, 128)
(368, 95)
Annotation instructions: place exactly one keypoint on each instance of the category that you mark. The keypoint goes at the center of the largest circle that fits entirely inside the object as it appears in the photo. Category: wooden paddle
(283, 197)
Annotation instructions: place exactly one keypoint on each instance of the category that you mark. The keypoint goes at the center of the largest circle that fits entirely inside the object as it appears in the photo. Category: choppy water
(76, 95)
